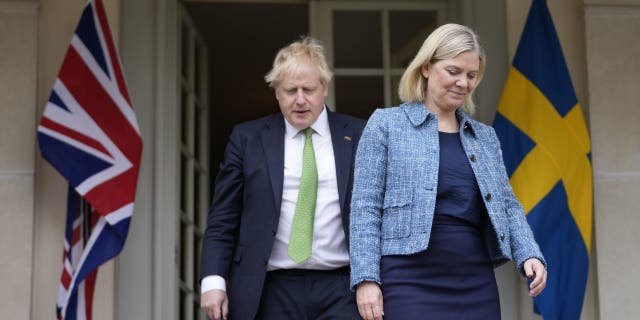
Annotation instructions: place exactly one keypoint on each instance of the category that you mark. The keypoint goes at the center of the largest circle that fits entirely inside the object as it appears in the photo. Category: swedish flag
(547, 153)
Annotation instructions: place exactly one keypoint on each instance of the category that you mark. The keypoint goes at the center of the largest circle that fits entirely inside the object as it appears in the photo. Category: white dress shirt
(329, 247)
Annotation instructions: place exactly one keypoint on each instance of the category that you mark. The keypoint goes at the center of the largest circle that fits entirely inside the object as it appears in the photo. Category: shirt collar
(321, 126)
(418, 113)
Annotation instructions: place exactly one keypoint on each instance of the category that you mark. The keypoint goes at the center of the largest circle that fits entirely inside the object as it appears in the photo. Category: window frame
(321, 26)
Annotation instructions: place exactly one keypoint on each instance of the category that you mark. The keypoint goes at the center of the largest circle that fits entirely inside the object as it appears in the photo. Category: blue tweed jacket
(395, 186)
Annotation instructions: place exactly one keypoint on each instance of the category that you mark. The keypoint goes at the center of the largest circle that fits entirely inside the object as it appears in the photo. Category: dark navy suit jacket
(244, 214)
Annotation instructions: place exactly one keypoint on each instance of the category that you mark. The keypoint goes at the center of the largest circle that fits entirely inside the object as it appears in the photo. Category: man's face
(301, 96)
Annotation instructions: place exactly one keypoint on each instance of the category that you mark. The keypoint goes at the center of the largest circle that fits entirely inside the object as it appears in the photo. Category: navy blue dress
(453, 278)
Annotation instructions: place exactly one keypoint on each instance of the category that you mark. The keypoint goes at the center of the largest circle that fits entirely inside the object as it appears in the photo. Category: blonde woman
(432, 211)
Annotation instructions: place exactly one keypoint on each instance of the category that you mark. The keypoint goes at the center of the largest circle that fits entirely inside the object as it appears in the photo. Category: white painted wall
(613, 68)
(18, 55)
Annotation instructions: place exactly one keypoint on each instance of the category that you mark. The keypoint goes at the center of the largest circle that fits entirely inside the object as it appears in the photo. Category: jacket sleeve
(523, 243)
(367, 200)
(223, 218)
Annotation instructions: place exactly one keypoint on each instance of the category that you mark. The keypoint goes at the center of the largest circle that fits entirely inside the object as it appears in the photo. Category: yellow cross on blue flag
(547, 152)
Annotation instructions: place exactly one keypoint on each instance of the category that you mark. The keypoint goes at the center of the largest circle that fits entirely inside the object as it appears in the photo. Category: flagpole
(85, 209)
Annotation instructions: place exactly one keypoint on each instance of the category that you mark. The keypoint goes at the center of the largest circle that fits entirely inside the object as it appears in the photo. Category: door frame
(146, 282)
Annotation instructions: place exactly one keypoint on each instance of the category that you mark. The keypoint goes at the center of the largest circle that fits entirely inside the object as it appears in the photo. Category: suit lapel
(273, 148)
(342, 140)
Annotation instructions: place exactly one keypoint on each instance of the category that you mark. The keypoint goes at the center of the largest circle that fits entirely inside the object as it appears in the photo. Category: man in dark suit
(276, 246)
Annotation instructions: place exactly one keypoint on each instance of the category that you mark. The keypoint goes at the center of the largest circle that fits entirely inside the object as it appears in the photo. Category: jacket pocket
(396, 214)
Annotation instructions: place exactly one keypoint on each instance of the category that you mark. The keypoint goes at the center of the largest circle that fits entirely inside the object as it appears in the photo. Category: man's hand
(215, 304)
(369, 298)
(534, 270)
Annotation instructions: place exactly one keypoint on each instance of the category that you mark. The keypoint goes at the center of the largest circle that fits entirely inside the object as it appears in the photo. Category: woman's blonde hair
(446, 42)
(291, 59)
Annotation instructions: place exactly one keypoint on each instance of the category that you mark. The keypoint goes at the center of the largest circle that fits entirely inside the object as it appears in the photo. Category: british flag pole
(89, 133)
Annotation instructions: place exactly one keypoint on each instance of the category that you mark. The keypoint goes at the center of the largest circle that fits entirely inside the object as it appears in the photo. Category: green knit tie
(302, 227)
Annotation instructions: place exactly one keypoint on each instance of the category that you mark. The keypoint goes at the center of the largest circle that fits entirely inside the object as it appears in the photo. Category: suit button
(473, 158)
(488, 197)
(273, 232)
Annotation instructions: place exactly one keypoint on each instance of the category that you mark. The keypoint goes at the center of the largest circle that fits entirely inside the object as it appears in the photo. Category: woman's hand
(369, 298)
(535, 270)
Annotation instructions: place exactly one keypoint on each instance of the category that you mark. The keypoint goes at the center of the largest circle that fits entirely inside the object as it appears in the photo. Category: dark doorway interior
(243, 39)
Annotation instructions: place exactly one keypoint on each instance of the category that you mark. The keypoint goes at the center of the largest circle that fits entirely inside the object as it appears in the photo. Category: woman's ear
(425, 70)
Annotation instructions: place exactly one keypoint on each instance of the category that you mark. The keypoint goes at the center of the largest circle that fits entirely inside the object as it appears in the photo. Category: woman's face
(451, 81)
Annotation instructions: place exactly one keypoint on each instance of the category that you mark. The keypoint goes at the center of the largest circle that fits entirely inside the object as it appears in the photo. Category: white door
(193, 173)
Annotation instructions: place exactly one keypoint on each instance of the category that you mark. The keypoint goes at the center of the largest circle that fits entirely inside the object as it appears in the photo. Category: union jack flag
(90, 134)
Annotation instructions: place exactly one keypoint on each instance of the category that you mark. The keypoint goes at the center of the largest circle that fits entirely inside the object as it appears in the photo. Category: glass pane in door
(359, 96)
(407, 32)
(357, 39)
(395, 99)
